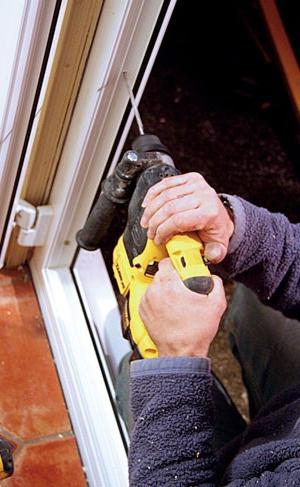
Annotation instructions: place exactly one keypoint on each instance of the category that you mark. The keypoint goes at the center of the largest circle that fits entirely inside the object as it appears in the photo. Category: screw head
(132, 156)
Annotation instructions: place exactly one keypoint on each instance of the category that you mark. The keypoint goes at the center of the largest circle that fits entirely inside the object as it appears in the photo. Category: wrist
(237, 211)
(229, 210)
(201, 352)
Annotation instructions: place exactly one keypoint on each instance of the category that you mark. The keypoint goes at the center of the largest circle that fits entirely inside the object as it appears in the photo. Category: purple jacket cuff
(170, 365)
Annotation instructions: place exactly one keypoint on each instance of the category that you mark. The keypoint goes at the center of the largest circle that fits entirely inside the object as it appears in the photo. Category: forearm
(171, 441)
(172, 437)
(264, 254)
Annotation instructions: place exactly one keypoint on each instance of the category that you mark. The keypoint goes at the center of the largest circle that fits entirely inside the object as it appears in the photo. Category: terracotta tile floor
(33, 414)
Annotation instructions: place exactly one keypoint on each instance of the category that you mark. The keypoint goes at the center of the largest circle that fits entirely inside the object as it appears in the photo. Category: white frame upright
(32, 41)
(122, 38)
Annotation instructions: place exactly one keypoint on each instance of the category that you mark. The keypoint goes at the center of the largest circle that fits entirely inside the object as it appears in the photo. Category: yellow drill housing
(133, 279)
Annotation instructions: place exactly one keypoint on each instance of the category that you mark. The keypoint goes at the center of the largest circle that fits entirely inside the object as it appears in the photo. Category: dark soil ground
(217, 99)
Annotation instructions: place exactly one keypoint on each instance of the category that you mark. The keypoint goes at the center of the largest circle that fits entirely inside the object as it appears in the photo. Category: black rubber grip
(97, 224)
(200, 284)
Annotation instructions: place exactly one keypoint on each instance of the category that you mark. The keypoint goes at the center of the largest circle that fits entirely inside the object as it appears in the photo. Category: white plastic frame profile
(32, 41)
(124, 30)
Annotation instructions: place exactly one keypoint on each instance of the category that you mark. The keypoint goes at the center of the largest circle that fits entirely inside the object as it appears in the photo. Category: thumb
(166, 271)
(215, 252)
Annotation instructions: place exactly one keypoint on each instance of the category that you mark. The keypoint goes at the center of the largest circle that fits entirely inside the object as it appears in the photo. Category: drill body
(135, 257)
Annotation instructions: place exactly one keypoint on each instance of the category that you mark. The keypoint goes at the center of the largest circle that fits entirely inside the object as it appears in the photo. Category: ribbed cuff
(169, 365)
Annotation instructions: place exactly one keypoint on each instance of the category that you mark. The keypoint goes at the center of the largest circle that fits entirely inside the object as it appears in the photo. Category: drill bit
(134, 105)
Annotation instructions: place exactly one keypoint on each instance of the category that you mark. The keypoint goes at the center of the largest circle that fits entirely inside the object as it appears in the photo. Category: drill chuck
(149, 143)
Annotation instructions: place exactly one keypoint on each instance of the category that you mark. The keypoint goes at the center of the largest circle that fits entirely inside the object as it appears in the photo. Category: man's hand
(186, 203)
(179, 321)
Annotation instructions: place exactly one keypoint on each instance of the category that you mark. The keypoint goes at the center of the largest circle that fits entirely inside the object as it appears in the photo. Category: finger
(166, 268)
(186, 221)
(164, 184)
(165, 264)
(215, 252)
(164, 197)
(166, 273)
(199, 219)
(173, 207)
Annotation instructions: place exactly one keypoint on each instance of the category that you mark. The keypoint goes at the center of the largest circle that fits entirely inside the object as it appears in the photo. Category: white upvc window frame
(122, 37)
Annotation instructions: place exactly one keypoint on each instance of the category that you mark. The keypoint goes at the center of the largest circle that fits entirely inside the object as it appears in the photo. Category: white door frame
(123, 35)
(18, 113)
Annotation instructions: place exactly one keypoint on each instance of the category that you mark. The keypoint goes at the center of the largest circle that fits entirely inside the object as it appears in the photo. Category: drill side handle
(116, 190)
(97, 224)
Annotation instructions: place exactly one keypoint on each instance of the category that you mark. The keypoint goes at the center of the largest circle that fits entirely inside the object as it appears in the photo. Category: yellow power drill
(135, 257)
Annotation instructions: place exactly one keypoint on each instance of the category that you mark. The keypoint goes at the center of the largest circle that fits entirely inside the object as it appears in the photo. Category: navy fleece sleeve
(171, 442)
(264, 254)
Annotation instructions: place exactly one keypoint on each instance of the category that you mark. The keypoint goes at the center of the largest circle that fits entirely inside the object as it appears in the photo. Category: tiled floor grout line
(61, 435)
(53, 437)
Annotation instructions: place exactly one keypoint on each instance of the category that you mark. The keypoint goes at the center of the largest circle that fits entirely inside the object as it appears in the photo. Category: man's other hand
(179, 321)
(187, 203)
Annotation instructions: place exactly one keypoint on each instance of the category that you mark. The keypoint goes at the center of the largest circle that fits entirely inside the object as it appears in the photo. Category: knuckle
(164, 196)
(151, 221)
(195, 175)
(194, 221)
(213, 210)
(151, 225)
(151, 190)
(169, 192)
(210, 192)
(161, 233)
(164, 183)
(170, 207)
(147, 213)
(178, 221)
